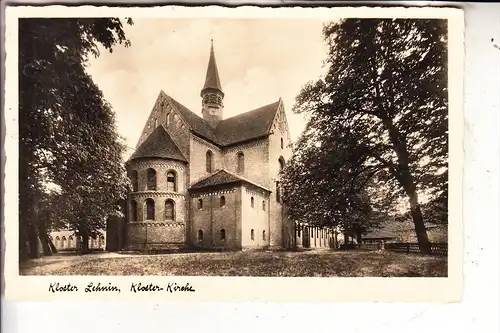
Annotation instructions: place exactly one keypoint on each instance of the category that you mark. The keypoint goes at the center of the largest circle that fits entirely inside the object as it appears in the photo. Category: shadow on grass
(257, 262)
(207, 250)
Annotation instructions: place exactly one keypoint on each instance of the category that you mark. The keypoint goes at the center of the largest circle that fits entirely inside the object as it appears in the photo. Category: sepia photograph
(234, 147)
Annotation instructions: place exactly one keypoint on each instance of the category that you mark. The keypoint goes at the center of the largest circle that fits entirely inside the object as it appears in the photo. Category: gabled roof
(158, 144)
(197, 124)
(222, 177)
(243, 127)
(246, 126)
(379, 234)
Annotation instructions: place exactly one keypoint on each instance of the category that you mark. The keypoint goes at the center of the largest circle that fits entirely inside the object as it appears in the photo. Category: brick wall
(282, 233)
(162, 167)
(211, 218)
(66, 240)
(315, 237)
(174, 125)
(261, 167)
(159, 230)
(177, 129)
(254, 218)
(256, 160)
(198, 152)
(149, 232)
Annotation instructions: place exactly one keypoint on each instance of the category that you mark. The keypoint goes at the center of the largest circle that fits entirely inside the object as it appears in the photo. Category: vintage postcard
(234, 154)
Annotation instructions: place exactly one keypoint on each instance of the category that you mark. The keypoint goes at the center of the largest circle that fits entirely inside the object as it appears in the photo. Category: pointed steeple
(212, 80)
(212, 96)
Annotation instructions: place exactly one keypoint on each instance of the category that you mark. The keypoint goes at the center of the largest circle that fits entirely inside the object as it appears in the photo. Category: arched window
(252, 202)
(150, 209)
(200, 203)
(103, 241)
(156, 122)
(281, 162)
(57, 245)
(169, 210)
(133, 210)
(151, 183)
(70, 242)
(200, 235)
(263, 235)
(263, 205)
(222, 234)
(298, 233)
(222, 201)
(278, 194)
(252, 235)
(240, 159)
(134, 179)
(209, 161)
(63, 242)
(167, 119)
(282, 143)
(171, 182)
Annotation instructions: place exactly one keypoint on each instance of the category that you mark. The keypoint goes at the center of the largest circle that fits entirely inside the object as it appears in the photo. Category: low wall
(155, 233)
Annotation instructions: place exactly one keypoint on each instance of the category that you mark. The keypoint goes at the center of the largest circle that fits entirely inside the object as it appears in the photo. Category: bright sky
(259, 61)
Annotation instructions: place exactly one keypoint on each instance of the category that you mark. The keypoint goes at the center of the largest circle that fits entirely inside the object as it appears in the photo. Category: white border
(246, 288)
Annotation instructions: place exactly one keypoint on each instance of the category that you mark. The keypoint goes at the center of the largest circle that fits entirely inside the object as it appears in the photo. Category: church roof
(222, 177)
(198, 125)
(212, 80)
(159, 144)
(379, 234)
(246, 126)
(243, 127)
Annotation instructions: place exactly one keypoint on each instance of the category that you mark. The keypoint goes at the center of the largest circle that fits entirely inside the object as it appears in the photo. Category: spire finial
(212, 44)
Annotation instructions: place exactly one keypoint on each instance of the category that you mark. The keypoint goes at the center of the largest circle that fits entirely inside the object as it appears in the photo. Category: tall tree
(385, 96)
(326, 182)
(65, 125)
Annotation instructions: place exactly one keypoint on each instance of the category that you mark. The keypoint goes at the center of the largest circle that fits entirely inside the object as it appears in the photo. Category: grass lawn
(250, 263)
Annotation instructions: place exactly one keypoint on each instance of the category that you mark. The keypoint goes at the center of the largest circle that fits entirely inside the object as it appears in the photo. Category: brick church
(209, 179)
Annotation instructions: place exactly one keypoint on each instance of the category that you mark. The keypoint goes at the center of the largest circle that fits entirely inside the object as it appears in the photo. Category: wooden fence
(369, 247)
(439, 249)
(436, 248)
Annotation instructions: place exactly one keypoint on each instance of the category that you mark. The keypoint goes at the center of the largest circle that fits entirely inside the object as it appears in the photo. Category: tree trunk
(405, 178)
(47, 251)
(23, 242)
(33, 242)
(85, 242)
(52, 246)
(358, 237)
(44, 239)
(418, 221)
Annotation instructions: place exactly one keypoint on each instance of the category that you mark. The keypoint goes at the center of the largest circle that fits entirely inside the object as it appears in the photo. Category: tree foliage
(380, 114)
(325, 184)
(67, 132)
